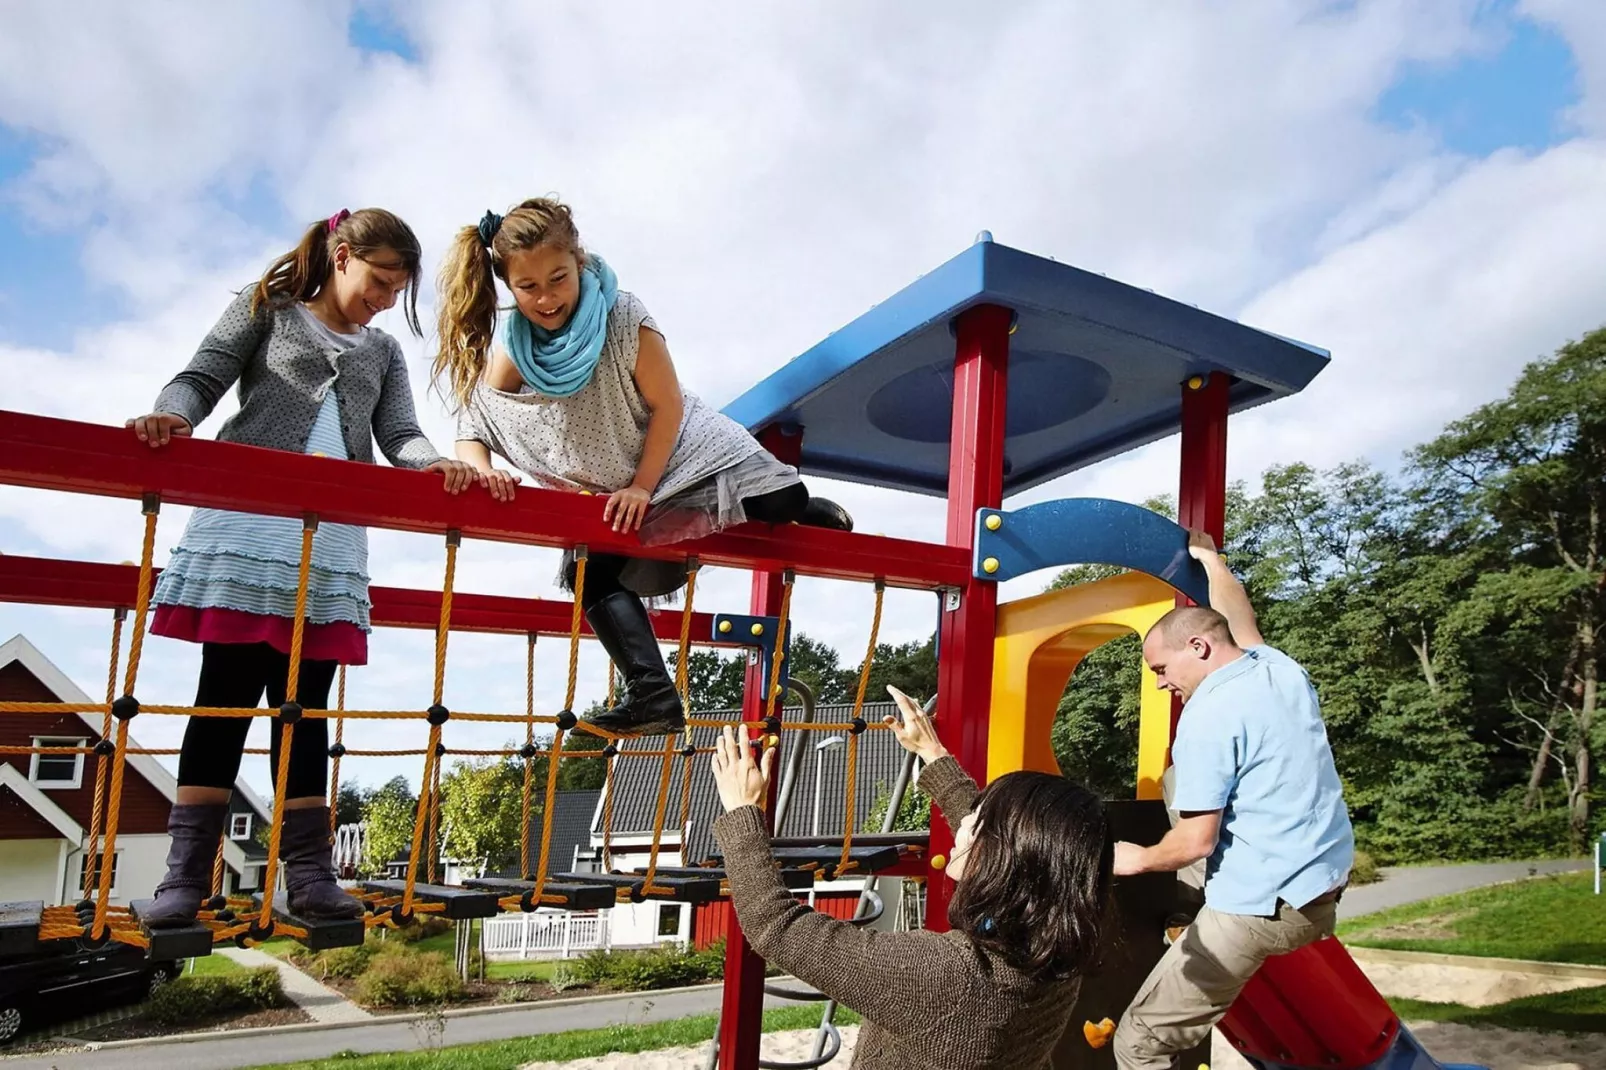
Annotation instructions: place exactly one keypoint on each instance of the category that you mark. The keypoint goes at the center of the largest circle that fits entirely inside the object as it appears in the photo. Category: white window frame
(234, 820)
(83, 864)
(78, 764)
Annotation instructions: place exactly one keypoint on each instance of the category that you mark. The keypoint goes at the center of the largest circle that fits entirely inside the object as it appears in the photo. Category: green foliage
(347, 963)
(1448, 614)
(388, 813)
(1365, 870)
(349, 805)
(401, 976)
(481, 810)
(914, 813)
(196, 998)
(637, 971)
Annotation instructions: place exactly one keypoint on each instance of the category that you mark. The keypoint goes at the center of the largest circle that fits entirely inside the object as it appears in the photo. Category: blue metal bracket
(756, 634)
(1086, 531)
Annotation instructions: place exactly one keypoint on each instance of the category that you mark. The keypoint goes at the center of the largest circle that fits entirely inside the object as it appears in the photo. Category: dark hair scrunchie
(489, 224)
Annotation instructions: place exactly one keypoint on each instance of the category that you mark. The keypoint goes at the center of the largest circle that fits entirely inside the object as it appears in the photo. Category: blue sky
(1414, 187)
(1512, 96)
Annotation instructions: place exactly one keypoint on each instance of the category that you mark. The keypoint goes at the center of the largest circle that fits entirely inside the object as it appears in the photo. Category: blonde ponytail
(466, 292)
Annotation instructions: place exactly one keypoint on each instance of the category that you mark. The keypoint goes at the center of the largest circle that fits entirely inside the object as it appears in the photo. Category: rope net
(246, 922)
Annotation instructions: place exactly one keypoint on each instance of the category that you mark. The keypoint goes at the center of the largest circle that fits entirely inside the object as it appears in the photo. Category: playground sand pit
(1498, 1049)
(1467, 985)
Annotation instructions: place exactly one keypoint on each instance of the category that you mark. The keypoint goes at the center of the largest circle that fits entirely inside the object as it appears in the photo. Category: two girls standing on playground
(578, 390)
(313, 378)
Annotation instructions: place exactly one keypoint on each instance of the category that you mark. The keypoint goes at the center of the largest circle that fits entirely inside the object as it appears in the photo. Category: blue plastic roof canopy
(1096, 368)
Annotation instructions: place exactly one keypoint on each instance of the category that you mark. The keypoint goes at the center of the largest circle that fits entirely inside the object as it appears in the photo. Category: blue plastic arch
(1087, 531)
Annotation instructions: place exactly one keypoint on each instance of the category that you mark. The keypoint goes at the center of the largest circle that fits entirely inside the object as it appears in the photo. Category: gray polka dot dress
(592, 441)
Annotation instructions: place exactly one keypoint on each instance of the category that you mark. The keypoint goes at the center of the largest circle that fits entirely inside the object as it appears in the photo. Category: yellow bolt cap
(1196, 383)
(938, 861)
(990, 565)
(725, 627)
(758, 629)
(994, 522)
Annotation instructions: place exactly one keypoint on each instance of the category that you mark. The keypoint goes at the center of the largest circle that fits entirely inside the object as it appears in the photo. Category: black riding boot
(824, 513)
(648, 704)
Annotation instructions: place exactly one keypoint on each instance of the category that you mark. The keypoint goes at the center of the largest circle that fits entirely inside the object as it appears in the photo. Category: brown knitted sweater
(929, 1000)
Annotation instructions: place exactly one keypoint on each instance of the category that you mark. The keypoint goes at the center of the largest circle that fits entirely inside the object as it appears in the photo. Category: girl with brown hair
(578, 391)
(1031, 866)
(314, 378)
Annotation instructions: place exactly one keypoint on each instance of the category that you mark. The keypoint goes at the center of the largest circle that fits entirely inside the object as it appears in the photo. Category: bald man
(1257, 795)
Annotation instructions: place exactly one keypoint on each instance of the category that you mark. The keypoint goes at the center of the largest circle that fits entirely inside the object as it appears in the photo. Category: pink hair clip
(337, 219)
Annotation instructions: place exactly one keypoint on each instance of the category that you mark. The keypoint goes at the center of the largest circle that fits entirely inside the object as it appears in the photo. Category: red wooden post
(1202, 488)
(975, 481)
(742, 1006)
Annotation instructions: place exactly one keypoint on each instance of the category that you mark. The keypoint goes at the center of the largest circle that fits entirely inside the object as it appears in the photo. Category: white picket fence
(545, 935)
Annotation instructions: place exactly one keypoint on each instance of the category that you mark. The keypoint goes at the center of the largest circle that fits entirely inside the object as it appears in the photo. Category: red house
(46, 801)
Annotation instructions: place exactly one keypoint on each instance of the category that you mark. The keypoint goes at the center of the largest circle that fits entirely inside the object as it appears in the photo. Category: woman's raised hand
(741, 780)
(914, 732)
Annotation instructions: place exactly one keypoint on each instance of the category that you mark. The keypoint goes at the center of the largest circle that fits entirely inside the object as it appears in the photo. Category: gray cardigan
(284, 371)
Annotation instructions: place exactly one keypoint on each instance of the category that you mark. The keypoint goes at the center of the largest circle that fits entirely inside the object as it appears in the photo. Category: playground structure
(990, 375)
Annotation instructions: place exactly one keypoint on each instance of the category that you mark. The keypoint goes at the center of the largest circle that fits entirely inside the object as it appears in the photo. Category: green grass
(210, 965)
(1546, 919)
(526, 970)
(1583, 1010)
(582, 1044)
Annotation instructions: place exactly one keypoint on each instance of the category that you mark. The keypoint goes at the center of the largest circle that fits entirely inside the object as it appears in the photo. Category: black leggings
(602, 570)
(237, 675)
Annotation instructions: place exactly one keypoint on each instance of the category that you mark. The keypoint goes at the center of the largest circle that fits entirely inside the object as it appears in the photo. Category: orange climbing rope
(529, 757)
(338, 750)
(855, 730)
(98, 809)
(101, 926)
(437, 716)
(281, 780)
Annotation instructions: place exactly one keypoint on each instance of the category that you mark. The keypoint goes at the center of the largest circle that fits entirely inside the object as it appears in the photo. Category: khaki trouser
(1200, 975)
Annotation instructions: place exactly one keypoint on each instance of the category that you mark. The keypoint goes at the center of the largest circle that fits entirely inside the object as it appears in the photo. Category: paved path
(320, 1001)
(379, 1034)
(1412, 884)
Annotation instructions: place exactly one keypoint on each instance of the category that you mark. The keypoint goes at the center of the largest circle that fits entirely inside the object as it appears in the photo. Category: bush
(636, 971)
(191, 999)
(564, 978)
(1364, 871)
(399, 976)
(422, 928)
(344, 962)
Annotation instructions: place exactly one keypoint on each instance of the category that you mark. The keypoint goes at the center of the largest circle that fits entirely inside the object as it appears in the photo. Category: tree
(714, 681)
(481, 810)
(349, 806)
(388, 814)
(1535, 463)
(914, 813)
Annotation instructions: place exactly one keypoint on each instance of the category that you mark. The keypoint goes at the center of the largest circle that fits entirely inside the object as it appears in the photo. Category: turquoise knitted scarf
(560, 363)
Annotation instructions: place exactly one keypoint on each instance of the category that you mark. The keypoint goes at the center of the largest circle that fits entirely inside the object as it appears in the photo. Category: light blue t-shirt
(1251, 743)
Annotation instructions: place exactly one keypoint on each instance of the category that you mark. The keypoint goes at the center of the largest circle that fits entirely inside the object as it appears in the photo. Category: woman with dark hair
(1031, 865)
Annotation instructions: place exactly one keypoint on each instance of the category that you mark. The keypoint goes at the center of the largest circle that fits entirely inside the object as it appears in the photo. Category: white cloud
(762, 176)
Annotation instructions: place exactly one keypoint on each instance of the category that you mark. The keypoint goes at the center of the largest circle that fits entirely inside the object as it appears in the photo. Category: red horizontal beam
(66, 455)
(45, 581)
